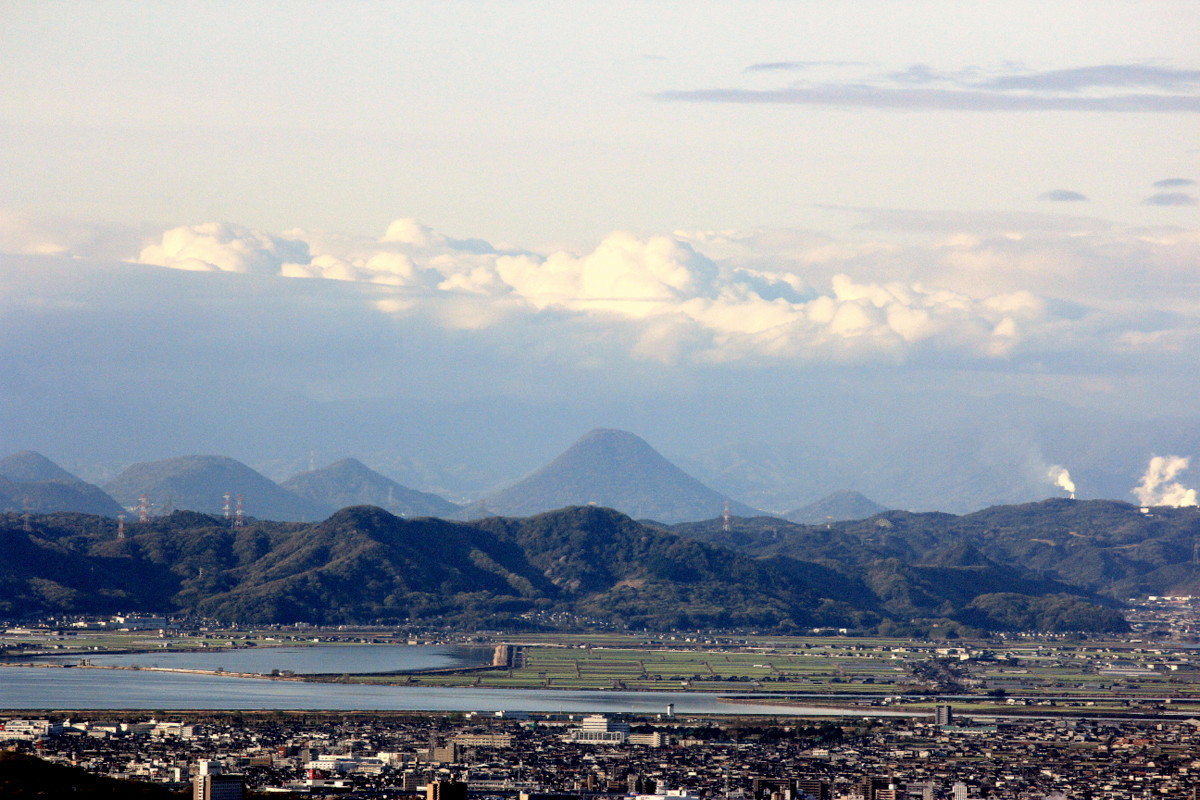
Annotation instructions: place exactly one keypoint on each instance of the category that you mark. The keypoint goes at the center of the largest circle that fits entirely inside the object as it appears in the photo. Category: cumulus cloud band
(680, 303)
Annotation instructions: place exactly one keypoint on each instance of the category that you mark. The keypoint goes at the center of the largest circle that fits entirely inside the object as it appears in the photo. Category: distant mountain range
(30, 467)
(613, 469)
(199, 483)
(904, 445)
(349, 482)
(922, 562)
(609, 468)
(1057, 566)
(840, 506)
(30, 482)
(606, 467)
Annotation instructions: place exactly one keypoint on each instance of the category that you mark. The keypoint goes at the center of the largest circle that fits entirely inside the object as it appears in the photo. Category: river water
(51, 688)
(55, 689)
(307, 660)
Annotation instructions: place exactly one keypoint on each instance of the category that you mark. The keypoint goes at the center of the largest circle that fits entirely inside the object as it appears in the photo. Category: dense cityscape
(368, 755)
(1040, 716)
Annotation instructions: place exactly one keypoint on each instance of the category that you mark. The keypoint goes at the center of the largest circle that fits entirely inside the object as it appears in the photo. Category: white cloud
(24, 235)
(953, 294)
(215, 246)
(411, 231)
(624, 274)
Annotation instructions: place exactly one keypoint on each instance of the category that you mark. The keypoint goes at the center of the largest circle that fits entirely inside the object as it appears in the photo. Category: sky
(689, 216)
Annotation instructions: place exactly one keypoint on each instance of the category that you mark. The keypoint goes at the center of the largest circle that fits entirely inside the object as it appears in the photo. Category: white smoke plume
(1158, 486)
(1061, 478)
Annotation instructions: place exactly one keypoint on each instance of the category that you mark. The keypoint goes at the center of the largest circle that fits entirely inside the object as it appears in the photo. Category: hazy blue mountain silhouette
(840, 506)
(615, 469)
(199, 483)
(28, 466)
(349, 482)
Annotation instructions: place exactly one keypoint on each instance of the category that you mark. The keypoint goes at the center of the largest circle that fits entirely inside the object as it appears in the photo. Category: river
(62, 689)
(150, 688)
(355, 659)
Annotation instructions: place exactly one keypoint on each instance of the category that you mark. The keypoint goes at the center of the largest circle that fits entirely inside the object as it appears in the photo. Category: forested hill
(1102, 546)
(578, 566)
(366, 565)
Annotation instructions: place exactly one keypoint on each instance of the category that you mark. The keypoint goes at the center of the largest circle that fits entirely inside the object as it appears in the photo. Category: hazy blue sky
(543, 122)
(632, 202)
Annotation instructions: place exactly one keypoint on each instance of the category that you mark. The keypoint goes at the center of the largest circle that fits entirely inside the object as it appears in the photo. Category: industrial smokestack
(1062, 479)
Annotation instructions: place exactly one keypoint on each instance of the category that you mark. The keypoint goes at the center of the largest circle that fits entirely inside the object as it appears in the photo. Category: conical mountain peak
(616, 469)
(349, 482)
(841, 505)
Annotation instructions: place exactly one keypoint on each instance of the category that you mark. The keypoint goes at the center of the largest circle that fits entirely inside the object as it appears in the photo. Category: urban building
(212, 784)
(599, 729)
(446, 790)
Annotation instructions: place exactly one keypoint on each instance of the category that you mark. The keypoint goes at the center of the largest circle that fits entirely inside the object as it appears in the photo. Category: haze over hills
(840, 506)
(636, 478)
(199, 483)
(614, 469)
(946, 452)
(973, 452)
(28, 466)
(47, 497)
(349, 482)
(30, 482)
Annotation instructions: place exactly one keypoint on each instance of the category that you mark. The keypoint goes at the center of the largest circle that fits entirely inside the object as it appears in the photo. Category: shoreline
(67, 661)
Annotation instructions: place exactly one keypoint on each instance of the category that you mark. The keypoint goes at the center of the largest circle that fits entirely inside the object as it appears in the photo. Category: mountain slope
(28, 466)
(1055, 565)
(837, 507)
(351, 483)
(52, 568)
(199, 483)
(30, 482)
(48, 497)
(613, 469)
(1103, 547)
(613, 568)
(366, 564)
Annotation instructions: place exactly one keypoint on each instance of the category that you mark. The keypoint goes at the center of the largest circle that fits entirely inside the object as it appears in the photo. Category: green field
(889, 670)
(1012, 677)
